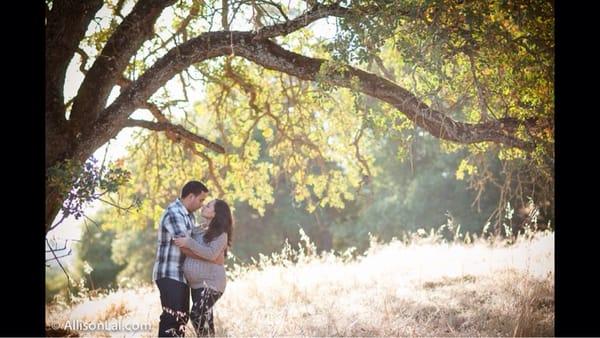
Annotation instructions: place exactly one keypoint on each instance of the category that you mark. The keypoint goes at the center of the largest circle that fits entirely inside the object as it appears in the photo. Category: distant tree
(133, 249)
(93, 260)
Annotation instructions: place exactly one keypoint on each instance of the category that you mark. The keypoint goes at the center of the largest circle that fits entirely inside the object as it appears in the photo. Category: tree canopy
(278, 100)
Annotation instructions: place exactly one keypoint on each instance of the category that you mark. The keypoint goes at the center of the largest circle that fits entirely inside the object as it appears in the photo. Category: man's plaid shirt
(176, 221)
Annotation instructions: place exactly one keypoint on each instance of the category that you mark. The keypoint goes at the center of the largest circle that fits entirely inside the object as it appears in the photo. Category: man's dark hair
(193, 187)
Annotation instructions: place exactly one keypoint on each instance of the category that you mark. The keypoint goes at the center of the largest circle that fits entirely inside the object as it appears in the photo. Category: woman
(203, 267)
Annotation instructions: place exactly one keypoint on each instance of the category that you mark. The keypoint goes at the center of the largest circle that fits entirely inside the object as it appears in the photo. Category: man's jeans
(175, 301)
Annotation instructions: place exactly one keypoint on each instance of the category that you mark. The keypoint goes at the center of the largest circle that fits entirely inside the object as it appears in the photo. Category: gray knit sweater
(201, 273)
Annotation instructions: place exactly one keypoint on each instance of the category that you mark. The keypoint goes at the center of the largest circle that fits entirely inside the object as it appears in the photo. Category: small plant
(114, 310)
(79, 184)
(306, 248)
(508, 233)
(87, 269)
(486, 229)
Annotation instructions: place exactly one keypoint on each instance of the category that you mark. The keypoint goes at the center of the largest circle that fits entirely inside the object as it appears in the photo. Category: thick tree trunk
(53, 204)
(57, 150)
(78, 138)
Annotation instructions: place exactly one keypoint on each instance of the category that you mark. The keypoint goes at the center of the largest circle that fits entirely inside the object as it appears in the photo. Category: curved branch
(272, 56)
(134, 96)
(205, 46)
(176, 129)
(155, 111)
(84, 60)
(172, 135)
(129, 36)
(359, 157)
(243, 83)
(316, 13)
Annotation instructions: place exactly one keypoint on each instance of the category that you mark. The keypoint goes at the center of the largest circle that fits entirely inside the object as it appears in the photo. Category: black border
(23, 278)
(577, 289)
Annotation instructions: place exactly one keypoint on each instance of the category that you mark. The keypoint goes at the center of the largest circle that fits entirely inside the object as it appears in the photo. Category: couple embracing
(191, 257)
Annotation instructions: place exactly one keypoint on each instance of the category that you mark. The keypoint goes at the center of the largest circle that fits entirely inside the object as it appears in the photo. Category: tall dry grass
(418, 287)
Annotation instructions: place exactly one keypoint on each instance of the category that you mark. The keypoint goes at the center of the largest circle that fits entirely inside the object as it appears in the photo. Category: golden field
(421, 286)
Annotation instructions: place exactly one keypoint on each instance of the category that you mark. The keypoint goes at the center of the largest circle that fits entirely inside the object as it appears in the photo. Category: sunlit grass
(420, 287)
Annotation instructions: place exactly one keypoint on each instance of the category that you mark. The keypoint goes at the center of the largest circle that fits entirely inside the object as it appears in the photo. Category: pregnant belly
(195, 269)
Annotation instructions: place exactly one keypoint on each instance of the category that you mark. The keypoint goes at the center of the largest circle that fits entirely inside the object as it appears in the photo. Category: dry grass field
(417, 287)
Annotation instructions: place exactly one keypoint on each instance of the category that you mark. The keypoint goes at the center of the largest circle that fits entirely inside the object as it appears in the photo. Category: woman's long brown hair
(222, 222)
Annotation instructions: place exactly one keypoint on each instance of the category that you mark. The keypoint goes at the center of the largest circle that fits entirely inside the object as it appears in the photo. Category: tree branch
(272, 56)
(84, 59)
(279, 8)
(389, 74)
(133, 204)
(57, 257)
(205, 46)
(118, 8)
(211, 166)
(129, 36)
(224, 15)
(134, 96)
(173, 135)
(66, 26)
(480, 93)
(194, 10)
(176, 129)
(316, 13)
(59, 264)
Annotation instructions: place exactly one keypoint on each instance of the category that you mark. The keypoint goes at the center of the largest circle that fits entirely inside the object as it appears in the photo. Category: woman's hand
(183, 242)
(220, 260)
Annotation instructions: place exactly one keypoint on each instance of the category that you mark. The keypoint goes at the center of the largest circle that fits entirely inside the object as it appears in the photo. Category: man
(177, 221)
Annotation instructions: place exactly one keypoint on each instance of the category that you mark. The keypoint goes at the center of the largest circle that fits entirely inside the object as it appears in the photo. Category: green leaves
(465, 168)
(80, 184)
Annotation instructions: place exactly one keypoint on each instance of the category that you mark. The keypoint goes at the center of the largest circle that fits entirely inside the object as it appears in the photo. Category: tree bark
(93, 93)
(66, 26)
